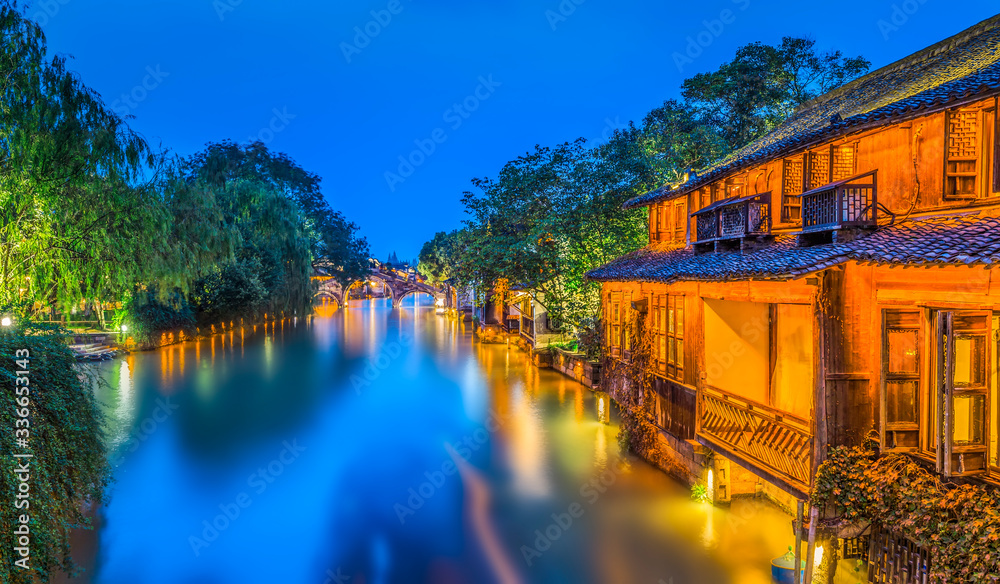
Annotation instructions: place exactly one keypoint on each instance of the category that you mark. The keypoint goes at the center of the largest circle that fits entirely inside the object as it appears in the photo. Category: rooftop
(956, 69)
(967, 240)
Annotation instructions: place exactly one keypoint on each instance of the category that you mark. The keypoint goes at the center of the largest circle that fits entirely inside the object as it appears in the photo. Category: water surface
(378, 446)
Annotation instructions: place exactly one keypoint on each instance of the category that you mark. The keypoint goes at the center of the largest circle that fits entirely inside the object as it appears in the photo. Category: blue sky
(458, 88)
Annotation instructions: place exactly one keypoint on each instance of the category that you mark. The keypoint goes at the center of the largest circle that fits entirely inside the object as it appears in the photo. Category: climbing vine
(68, 469)
(959, 524)
(628, 381)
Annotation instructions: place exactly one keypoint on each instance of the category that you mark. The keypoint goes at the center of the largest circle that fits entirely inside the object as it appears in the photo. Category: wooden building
(835, 276)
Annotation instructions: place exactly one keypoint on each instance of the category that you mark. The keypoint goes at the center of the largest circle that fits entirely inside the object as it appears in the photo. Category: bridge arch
(396, 303)
(386, 283)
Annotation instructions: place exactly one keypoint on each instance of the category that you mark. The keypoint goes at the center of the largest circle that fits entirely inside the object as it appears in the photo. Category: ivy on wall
(959, 524)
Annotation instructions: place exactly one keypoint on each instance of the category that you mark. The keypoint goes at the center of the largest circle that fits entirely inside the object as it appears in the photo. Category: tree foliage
(68, 469)
(332, 236)
(555, 213)
(75, 219)
(764, 84)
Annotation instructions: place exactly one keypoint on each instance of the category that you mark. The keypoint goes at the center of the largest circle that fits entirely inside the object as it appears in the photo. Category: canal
(376, 446)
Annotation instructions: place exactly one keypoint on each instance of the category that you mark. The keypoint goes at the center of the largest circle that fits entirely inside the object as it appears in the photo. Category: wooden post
(798, 542)
(811, 546)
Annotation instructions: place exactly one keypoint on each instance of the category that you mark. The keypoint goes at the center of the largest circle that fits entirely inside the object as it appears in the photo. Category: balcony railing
(777, 442)
(851, 202)
(734, 218)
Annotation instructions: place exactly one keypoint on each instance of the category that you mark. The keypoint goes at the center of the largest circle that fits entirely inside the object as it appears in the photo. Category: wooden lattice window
(844, 162)
(819, 169)
(664, 227)
(962, 154)
(971, 153)
(792, 183)
(680, 222)
(668, 329)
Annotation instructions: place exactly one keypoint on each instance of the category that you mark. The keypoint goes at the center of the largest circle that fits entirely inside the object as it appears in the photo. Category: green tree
(438, 258)
(333, 237)
(76, 218)
(750, 95)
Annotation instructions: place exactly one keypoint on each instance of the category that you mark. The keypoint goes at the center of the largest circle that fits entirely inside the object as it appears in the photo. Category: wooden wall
(909, 157)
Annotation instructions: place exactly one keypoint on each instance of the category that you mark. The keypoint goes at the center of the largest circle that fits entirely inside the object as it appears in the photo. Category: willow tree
(75, 216)
(333, 237)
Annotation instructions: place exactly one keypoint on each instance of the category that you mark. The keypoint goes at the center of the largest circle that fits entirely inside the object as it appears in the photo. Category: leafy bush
(148, 315)
(960, 524)
(230, 292)
(69, 469)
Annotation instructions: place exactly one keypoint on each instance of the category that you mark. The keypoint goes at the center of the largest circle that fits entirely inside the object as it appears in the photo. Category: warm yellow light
(124, 328)
(819, 557)
(711, 485)
(440, 302)
(6, 321)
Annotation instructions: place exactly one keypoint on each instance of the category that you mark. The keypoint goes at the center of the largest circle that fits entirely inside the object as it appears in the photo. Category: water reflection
(403, 476)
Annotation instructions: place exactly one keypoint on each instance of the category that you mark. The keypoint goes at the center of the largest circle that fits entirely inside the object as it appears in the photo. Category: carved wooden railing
(734, 218)
(778, 442)
(851, 202)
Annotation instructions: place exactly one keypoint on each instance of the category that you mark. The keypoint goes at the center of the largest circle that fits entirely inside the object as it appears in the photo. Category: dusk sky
(298, 75)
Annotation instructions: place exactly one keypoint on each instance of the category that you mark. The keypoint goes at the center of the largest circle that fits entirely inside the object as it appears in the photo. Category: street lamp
(6, 321)
(124, 328)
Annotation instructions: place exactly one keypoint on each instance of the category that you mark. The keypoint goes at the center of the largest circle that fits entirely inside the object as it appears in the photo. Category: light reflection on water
(376, 423)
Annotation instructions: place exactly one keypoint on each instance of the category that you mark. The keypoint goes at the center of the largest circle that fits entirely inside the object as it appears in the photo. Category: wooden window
(668, 332)
(680, 224)
(616, 322)
(792, 183)
(818, 171)
(664, 228)
(991, 175)
(901, 378)
(963, 379)
(994, 401)
(962, 155)
(844, 162)
(653, 224)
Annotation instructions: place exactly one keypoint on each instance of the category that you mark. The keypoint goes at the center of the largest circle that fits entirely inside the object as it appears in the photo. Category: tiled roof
(953, 240)
(963, 66)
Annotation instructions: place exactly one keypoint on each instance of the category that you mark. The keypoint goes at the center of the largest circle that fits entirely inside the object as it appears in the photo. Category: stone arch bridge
(398, 284)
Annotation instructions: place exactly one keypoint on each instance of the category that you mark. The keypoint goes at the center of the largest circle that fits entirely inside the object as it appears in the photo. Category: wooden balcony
(734, 219)
(845, 204)
(777, 443)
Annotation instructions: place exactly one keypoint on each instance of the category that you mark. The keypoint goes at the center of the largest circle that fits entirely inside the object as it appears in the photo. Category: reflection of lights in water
(269, 354)
(711, 486)
(601, 448)
(601, 411)
(125, 395)
(708, 534)
(527, 446)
